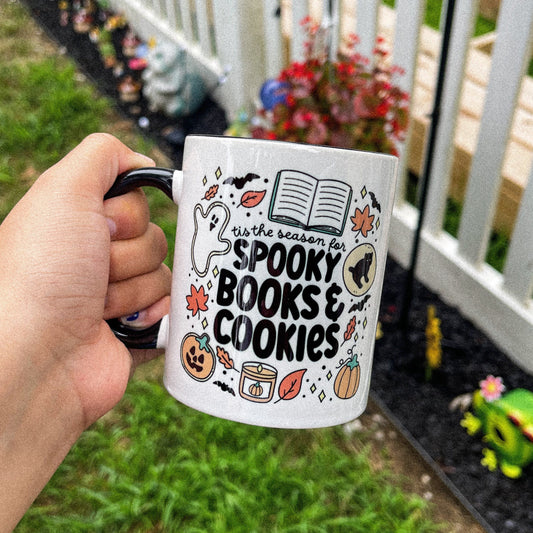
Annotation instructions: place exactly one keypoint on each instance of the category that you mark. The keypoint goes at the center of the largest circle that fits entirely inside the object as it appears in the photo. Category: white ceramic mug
(279, 261)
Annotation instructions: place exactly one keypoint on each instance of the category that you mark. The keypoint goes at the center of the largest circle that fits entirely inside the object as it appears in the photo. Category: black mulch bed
(422, 407)
(418, 407)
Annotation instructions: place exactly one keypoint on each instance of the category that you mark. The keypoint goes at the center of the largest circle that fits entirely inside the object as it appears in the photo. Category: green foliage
(155, 465)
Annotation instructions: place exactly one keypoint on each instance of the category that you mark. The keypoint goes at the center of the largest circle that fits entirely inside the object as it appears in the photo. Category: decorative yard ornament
(240, 127)
(169, 86)
(82, 20)
(507, 423)
(130, 43)
(272, 93)
(129, 89)
(433, 342)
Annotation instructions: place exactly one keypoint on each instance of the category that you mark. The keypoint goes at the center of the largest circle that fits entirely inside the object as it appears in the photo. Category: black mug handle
(162, 179)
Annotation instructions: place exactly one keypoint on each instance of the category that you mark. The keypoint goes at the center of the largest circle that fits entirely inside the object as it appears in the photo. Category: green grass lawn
(153, 464)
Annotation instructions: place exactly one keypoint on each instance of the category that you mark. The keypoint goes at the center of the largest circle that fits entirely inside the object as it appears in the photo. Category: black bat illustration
(375, 203)
(225, 387)
(359, 305)
(241, 182)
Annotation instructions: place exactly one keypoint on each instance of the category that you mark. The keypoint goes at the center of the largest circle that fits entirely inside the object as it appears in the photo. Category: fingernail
(111, 224)
(136, 320)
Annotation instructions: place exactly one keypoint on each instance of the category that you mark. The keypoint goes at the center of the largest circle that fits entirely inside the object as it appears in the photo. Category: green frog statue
(506, 421)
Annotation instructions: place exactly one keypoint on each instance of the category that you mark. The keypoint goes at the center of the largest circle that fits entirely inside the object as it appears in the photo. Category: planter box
(519, 155)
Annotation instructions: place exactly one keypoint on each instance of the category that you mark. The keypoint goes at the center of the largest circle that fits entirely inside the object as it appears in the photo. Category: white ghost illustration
(207, 240)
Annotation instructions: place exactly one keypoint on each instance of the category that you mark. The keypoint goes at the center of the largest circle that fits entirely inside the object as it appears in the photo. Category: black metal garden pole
(435, 117)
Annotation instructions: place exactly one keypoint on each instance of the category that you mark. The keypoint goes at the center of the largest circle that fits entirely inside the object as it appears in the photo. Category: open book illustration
(302, 200)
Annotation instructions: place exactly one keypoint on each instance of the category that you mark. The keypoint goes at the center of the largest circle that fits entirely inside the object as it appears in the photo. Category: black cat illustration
(361, 269)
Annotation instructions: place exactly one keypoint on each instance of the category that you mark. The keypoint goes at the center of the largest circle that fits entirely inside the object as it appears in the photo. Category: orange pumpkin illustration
(255, 389)
(197, 357)
(347, 380)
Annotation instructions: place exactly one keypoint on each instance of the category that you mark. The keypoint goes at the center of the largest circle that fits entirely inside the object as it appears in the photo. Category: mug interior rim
(298, 145)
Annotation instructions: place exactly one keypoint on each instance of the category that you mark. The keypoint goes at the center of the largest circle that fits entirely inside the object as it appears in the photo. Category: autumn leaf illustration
(290, 385)
(350, 328)
(363, 220)
(252, 198)
(197, 300)
(210, 194)
(225, 359)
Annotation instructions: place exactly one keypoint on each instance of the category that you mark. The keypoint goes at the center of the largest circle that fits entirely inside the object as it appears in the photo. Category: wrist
(40, 422)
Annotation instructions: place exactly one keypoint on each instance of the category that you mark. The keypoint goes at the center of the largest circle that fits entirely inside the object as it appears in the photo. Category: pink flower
(318, 134)
(360, 107)
(301, 118)
(491, 388)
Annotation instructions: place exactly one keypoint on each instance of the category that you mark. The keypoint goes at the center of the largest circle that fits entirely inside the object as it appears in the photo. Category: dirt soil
(408, 416)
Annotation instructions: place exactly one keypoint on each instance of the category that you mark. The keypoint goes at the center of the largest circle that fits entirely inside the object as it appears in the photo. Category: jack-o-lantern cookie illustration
(197, 357)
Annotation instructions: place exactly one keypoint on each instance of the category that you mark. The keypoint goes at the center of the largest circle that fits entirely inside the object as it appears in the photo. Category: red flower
(350, 102)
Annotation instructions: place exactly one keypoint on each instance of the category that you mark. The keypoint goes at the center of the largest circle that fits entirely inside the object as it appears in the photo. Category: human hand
(69, 262)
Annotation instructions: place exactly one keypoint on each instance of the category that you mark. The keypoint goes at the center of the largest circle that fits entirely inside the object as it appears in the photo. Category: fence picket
(173, 17)
(409, 17)
(511, 51)
(273, 40)
(366, 23)
(300, 10)
(159, 8)
(518, 273)
(202, 22)
(335, 27)
(464, 19)
(187, 20)
(239, 44)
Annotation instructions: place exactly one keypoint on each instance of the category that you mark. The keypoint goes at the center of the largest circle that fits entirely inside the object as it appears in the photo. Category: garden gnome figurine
(168, 86)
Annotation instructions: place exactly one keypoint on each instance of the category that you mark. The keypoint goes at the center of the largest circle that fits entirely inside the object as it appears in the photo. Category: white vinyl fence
(251, 40)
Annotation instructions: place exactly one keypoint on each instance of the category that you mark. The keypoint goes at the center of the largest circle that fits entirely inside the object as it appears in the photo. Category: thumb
(92, 167)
